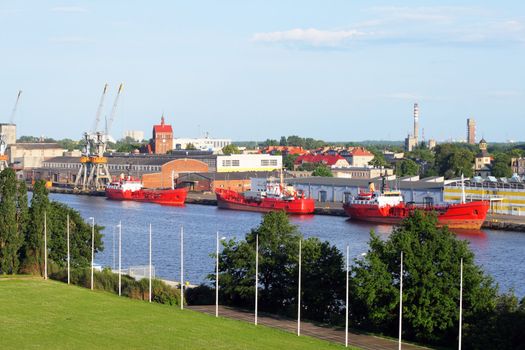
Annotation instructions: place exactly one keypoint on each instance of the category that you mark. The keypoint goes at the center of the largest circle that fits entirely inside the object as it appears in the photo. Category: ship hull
(234, 201)
(174, 197)
(456, 216)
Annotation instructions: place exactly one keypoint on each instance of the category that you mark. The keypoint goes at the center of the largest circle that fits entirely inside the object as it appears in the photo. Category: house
(331, 161)
(359, 156)
(483, 161)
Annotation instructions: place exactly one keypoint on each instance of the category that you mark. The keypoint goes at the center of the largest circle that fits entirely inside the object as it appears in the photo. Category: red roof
(318, 158)
(288, 149)
(360, 151)
(162, 127)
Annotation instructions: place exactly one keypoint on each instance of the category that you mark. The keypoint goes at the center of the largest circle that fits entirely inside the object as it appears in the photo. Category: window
(265, 162)
(346, 197)
(322, 196)
(226, 162)
(235, 162)
(273, 162)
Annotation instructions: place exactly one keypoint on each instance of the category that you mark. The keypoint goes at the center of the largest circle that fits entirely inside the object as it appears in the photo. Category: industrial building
(208, 182)
(248, 162)
(32, 155)
(202, 144)
(412, 140)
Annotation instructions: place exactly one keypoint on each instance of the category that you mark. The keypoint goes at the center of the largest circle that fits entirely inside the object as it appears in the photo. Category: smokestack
(416, 121)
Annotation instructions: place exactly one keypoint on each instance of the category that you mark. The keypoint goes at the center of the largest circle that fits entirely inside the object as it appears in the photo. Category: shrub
(200, 295)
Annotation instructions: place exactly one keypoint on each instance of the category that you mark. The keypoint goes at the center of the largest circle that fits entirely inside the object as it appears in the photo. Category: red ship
(389, 208)
(274, 198)
(132, 189)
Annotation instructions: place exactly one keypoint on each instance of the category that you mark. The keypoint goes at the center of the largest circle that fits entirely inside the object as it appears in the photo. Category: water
(501, 253)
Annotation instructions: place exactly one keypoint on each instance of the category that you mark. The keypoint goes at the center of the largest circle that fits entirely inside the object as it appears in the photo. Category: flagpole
(150, 263)
(119, 258)
(460, 301)
(299, 294)
(256, 274)
(92, 248)
(68, 252)
(400, 301)
(346, 311)
(45, 245)
(182, 268)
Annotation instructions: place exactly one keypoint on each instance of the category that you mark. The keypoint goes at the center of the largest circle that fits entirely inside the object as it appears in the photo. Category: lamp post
(45, 245)
(149, 263)
(68, 252)
(119, 257)
(217, 276)
(346, 311)
(400, 301)
(299, 293)
(256, 274)
(182, 268)
(460, 300)
(92, 247)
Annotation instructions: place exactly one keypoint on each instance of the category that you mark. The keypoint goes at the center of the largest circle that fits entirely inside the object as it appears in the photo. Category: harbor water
(500, 253)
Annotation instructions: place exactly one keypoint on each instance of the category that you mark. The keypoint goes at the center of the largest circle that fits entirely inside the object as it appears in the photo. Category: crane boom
(113, 110)
(13, 112)
(99, 109)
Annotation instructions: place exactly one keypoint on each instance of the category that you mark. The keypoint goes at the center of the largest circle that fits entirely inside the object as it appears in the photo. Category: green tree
(10, 239)
(288, 161)
(34, 240)
(407, 167)
(69, 144)
(430, 282)
(452, 160)
(230, 149)
(322, 170)
(191, 147)
(379, 159)
(283, 141)
(501, 165)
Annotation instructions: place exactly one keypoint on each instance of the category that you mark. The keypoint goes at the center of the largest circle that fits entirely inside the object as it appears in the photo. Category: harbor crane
(94, 174)
(3, 137)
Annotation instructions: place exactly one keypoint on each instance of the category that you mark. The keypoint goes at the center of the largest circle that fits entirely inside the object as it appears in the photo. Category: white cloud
(312, 36)
(69, 9)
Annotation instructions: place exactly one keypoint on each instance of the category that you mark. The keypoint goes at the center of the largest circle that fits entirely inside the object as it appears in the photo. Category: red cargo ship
(273, 199)
(132, 189)
(389, 208)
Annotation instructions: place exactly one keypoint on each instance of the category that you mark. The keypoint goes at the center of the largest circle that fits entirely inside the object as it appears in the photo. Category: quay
(493, 222)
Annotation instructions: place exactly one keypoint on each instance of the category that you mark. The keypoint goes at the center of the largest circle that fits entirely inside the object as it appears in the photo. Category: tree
(278, 270)
(322, 170)
(283, 141)
(407, 167)
(452, 160)
(501, 165)
(430, 282)
(10, 238)
(379, 158)
(289, 161)
(230, 149)
(191, 147)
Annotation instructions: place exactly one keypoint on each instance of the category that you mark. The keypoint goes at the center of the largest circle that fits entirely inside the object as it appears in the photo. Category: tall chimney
(416, 121)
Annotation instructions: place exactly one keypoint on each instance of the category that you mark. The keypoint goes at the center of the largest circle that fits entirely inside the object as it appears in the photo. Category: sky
(337, 70)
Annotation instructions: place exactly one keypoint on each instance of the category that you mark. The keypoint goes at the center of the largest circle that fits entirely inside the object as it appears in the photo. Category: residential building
(248, 162)
(331, 161)
(483, 161)
(358, 157)
(518, 166)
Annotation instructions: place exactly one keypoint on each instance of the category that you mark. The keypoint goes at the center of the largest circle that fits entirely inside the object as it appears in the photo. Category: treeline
(430, 283)
(22, 228)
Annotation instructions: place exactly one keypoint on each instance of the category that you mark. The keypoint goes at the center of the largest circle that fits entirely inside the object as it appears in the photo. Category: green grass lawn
(52, 315)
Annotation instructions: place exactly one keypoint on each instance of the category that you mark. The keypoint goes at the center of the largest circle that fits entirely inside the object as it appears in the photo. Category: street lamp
(400, 301)
(217, 276)
(92, 247)
(119, 257)
(256, 274)
(460, 300)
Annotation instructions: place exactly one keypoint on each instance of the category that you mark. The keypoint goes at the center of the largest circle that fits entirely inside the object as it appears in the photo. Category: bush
(200, 295)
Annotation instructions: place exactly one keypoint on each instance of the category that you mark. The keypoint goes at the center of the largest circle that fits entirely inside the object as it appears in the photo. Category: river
(500, 253)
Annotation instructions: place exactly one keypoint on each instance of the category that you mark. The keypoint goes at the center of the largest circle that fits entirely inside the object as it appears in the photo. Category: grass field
(52, 315)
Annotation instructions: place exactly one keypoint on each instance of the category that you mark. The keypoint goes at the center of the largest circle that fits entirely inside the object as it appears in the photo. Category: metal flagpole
(119, 258)
(45, 245)
(256, 274)
(113, 249)
(346, 311)
(68, 252)
(400, 301)
(299, 294)
(92, 248)
(460, 300)
(150, 263)
(217, 277)
(182, 268)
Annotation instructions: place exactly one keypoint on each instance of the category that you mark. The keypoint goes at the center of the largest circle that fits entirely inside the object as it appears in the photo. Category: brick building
(162, 141)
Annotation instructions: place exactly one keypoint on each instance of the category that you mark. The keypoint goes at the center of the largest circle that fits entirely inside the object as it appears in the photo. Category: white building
(249, 162)
(202, 144)
(136, 135)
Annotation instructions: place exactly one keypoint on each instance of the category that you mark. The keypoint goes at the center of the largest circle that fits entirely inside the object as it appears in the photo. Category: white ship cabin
(126, 184)
(387, 198)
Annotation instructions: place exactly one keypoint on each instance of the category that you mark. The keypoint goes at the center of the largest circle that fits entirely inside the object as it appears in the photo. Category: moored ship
(273, 198)
(388, 207)
(132, 189)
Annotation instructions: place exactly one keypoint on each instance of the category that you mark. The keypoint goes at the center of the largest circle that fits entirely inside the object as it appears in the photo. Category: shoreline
(493, 221)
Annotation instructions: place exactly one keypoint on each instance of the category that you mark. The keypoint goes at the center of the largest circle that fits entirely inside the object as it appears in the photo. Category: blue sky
(251, 70)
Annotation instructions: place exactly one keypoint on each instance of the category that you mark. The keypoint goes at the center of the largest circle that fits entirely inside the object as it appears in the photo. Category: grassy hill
(52, 315)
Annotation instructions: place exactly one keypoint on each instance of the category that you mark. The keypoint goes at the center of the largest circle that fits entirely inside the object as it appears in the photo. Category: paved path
(363, 341)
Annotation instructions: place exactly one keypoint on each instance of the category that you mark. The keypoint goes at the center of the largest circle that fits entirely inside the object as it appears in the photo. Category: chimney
(416, 121)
